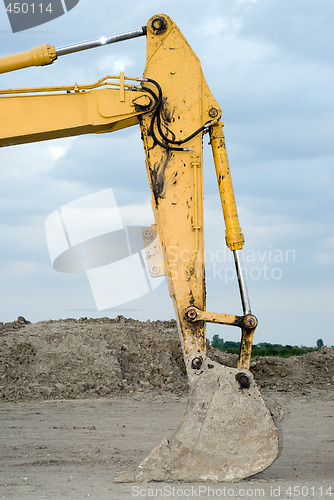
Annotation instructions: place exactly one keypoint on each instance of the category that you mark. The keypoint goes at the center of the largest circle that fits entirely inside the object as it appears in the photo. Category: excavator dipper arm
(227, 432)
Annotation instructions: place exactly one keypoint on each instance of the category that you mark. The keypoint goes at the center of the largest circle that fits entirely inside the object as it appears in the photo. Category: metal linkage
(99, 42)
(47, 54)
(242, 282)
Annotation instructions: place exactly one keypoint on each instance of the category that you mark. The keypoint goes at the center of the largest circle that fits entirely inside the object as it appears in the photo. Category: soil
(85, 358)
(84, 399)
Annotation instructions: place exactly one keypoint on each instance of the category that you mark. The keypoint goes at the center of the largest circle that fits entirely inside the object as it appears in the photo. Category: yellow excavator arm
(53, 112)
(227, 432)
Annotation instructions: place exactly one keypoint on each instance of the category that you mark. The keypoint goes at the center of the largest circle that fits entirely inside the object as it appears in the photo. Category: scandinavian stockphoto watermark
(89, 236)
(260, 264)
(123, 263)
(24, 15)
(208, 491)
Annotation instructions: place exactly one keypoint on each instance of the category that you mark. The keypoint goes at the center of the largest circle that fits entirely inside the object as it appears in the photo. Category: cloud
(216, 26)
(58, 152)
(300, 29)
(114, 65)
(269, 65)
(137, 214)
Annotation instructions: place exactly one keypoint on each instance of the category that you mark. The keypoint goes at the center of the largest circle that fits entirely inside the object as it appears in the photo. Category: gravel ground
(66, 449)
(81, 400)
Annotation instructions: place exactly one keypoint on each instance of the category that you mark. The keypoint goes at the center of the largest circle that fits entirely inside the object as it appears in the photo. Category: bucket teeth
(226, 434)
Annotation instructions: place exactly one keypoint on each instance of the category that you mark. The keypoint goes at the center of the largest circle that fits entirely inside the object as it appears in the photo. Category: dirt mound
(97, 357)
(297, 373)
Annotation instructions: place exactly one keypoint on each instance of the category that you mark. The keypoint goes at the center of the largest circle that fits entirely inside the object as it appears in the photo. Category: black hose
(157, 118)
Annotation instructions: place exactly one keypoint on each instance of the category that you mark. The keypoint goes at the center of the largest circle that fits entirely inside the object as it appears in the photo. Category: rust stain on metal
(158, 176)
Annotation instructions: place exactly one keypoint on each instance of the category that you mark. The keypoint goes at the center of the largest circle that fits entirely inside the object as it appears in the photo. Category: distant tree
(232, 344)
(320, 343)
(264, 348)
(217, 342)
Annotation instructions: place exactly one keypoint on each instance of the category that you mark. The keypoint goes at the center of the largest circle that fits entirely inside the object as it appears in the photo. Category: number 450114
(28, 8)
(306, 491)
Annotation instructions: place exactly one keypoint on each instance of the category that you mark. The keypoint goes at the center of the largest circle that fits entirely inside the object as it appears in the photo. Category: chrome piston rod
(242, 282)
(99, 42)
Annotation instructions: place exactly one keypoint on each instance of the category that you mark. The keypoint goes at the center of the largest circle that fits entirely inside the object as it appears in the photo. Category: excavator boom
(227, 432)
(45, 113)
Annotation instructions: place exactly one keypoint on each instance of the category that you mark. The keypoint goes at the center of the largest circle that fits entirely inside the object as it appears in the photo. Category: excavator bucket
(226, 434)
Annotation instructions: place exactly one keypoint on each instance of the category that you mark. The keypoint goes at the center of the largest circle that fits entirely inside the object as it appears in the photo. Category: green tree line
(265, 348)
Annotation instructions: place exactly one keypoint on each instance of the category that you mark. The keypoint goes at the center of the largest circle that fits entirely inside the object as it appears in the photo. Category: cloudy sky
(269, 64)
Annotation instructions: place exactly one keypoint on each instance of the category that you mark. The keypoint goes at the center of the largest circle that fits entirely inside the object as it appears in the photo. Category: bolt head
(243, 380)
(197, 363)
(158, 25)
(213, 112)
(155, 269)
(191, 314)
(250, 321)
(147, 233)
